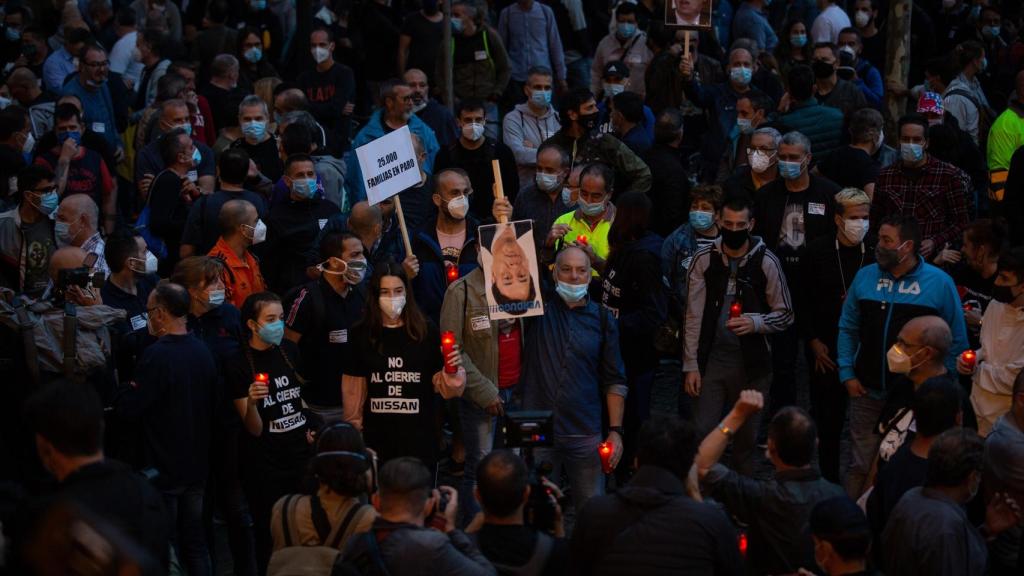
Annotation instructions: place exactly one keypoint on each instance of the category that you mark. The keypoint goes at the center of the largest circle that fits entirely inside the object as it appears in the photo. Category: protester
(736, 296)
(77, 224)
(670, 184)
(598, 386)
(239, 224)
(829, 265)
(27, 229)
(394, 369)
(588, 226)
(524, 137)
(675, 531)
(321, 316)
(867, 330)
(929, 532)
(841, 537)
(775, 510)
(201, 228)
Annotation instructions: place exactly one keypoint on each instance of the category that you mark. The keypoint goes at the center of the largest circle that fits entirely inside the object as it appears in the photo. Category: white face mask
(760, 161)
(149, 264)
(321, 54)
(458, 207)
(392, 307)
(855, 230)
(259, 231)
(472, 131)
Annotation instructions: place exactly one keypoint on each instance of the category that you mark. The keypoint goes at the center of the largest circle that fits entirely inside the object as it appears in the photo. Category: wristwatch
(618, 430)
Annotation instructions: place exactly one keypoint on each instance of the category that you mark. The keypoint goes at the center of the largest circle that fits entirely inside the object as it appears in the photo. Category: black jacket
(292, 232)
(650, 527)
(670, 188)
(632, 289)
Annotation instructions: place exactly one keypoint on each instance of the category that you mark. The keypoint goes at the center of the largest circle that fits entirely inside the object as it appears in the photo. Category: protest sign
(388, 165)
(509, 261)
(693, 14)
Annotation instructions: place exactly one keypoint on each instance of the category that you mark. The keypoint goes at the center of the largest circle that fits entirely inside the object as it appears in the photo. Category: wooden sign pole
(499, 191)
(401, 226)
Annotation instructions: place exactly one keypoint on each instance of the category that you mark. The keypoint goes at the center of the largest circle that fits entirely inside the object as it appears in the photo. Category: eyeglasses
(104, 64)
(751, 150)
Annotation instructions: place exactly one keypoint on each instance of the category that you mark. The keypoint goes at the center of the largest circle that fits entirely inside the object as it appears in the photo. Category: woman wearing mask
(794, 47)
(265, 381)
(252, 59)
(632, 290)
(218, 324)
(394, 368)
(343, 471)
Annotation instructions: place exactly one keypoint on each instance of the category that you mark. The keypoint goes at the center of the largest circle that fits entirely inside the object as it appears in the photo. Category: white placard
(511, 274)
(388, 165)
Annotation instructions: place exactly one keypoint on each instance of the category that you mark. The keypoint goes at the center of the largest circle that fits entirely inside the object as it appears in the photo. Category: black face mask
(734, 239)
(822, 69)
(588, 121)
(1003, 294)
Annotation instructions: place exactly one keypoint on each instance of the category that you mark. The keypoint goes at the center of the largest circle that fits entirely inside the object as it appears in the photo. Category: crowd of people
(223, 358)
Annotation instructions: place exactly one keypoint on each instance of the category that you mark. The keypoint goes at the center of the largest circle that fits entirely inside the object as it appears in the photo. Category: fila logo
(885, 284)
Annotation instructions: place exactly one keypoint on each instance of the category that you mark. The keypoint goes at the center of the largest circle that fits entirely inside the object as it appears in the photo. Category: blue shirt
(99, 110)
(57, 67)
(750, 23)
(531, 39)
(569, 365)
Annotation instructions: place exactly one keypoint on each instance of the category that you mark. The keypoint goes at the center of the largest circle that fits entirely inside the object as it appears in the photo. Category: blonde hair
(850, 197)
(264, 88)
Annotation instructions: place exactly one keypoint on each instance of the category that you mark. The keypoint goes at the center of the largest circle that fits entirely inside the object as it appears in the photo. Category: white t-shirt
(828, 24)
(121, 60)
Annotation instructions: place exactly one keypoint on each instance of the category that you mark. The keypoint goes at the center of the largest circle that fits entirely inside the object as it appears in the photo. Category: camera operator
(503, 490)
(401, 543)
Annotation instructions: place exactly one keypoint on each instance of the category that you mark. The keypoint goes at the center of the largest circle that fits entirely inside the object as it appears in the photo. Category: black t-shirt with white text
(282, 443)
(398, 415)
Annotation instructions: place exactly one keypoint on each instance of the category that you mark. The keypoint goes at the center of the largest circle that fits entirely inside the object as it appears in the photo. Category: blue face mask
(457, 25)
(741, 75)
(255, 130)
(911, 152)
(197, 158)
(254, 54)
(745, 125)
(258, 4)
(48, 203)
(626, 29)
(272, 333)
(13, 34)
(984, 63)
(73, 134)
(571, 293)
(541, 97)
(798, 40)
(701, 220)
(790, 170)
(62, 231)
(214, 298)
(590, 209)
(187, 128)
(304, 187)
(990, 31)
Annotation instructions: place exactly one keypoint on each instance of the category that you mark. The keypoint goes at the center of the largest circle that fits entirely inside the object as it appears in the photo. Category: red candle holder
(451, 272)
(736, 310)
(447, 347)
(969, 358)
(581, 239)
(605, 450)
(262, 377)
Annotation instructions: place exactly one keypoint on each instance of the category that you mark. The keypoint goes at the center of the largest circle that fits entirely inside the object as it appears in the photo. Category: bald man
(240, 228)
(330, 87)
(918, 356)
(24, 88)
(77, 225)
(438, 117)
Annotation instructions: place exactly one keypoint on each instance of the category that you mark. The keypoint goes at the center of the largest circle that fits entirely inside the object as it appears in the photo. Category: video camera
(529, 429)
(84, 277)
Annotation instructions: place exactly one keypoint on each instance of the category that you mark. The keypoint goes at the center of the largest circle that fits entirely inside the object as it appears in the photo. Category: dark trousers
(263, 487)
(638, 411)
(185, 507)
(784, 353)
(828, 407)
(228, 498)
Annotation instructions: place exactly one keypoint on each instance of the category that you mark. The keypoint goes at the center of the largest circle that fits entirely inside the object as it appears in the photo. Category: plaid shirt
(936, 197)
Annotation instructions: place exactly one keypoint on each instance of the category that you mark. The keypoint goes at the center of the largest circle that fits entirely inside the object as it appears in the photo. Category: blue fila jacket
(877, 307)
